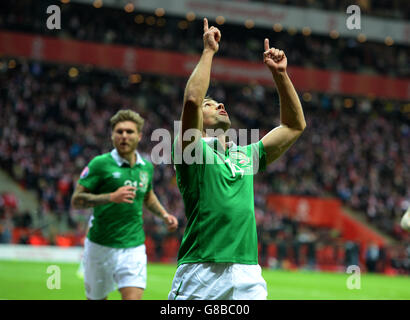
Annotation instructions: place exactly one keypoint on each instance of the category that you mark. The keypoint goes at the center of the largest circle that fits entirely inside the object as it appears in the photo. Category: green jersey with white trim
(219, 204)
(117, 225)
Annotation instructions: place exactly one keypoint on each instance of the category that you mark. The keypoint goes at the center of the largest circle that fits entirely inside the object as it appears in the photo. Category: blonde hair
(127, 115)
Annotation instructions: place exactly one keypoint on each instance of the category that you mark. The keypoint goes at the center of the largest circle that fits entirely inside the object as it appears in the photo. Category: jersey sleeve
(91, 176)
(258, 153)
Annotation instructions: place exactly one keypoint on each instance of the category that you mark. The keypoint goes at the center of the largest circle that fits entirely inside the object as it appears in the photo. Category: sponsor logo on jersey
(116, 174)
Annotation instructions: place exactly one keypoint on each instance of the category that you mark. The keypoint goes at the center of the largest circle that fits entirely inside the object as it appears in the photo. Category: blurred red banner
(132, 60)
(323, 213)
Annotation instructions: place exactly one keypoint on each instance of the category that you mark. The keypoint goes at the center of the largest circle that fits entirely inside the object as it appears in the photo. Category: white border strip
(40, 253)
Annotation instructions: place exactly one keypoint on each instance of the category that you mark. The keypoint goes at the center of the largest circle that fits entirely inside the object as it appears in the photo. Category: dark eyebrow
(127, 129)
(207, 102)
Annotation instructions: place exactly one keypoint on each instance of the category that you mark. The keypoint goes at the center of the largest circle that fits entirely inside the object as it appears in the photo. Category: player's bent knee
(131, 293)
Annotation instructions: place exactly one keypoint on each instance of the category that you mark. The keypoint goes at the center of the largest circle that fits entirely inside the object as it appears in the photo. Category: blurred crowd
(399, 9)
(53, 124)
(147, 30)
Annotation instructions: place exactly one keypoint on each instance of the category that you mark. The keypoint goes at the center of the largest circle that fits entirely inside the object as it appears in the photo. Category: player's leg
(202, 281)
(248, 282)
(131, 293)
(131, 272)
(80, 270)
(98, 271)
(182, 284)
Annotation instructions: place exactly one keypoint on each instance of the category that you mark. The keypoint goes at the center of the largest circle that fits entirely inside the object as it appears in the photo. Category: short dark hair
(208, 98)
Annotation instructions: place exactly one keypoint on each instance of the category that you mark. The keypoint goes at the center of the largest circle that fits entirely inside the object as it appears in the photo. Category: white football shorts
(218, 281)
(106, 268)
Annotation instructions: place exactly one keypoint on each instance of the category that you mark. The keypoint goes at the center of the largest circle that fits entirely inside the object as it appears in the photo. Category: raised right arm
(197, 86)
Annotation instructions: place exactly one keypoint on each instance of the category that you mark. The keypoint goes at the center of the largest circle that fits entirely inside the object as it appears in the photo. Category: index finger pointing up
(205, 24)
(266, 44)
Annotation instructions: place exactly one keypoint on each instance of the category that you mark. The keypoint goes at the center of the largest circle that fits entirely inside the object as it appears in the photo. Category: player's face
(125, 137)
(215, 115)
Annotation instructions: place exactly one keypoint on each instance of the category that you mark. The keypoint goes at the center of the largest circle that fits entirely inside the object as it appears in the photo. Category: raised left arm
(152, 203)
(292, 120)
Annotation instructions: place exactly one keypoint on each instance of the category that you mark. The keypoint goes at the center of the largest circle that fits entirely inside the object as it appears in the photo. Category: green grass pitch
(28, 281)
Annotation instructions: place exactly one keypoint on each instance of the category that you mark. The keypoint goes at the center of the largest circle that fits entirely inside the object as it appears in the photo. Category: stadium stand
(147, 31)
(384, 8)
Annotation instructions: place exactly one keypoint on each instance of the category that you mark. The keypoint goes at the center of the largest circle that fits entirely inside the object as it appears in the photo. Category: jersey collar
(120, 160)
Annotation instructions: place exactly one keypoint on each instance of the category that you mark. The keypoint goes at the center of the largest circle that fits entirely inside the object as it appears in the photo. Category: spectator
(372, 257)
(82, 23)
(348, 155)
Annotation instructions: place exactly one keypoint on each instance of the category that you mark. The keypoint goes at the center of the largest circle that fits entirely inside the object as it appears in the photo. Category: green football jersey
(219, 203)
(117, 225)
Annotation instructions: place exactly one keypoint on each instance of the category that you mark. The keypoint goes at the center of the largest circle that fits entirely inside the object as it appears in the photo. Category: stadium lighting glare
(307, 97)
(134, 78)
(190, 16)
(161, 22)
(292, 31)
(277, 27)
(389, 41)
(220, 20)
(183, 24)
(12, 64)
(159, 12)
(97, 4)
(139, 19)
(334, 34)
(306, 31)
(249, 24)
(73, 72)
(361, 38)
(129, 7)
(348, 103)
(150, 20)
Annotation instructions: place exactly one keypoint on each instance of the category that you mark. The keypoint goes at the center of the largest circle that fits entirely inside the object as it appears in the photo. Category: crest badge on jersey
(84, 173)
(143, 183)
(143, 177)
(240, 158)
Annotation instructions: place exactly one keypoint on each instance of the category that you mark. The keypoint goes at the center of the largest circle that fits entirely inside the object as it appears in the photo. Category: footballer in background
(117, 185)
(405, 220)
